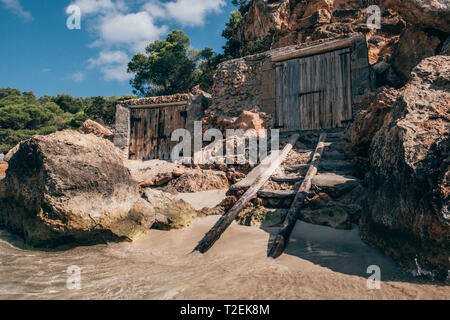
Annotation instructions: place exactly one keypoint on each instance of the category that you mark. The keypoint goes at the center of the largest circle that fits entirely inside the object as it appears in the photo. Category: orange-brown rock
(369, 120)
(407, 210)
(320, 200)
(92, 127)
(298, 22)
(434, 14)
(249, 120)
(177, 173)
(70, 188)
(229, 202)
(414, 46)
(3, 167)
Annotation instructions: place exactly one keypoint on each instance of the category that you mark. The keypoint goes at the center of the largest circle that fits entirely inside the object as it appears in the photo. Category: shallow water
(320, 263)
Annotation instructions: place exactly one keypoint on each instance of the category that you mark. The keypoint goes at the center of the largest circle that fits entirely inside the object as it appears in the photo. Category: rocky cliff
(400, 134)
(405, 136)
(411, 30)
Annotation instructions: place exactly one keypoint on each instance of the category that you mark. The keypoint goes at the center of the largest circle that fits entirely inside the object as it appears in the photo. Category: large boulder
(369, 120)
(11, 152)
(92, 127)
(171, 212)
(407, 210)
(71, 188)
(434, 14)
(414, 46)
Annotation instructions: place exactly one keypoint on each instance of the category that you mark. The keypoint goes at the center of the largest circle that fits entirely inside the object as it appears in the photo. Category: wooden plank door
(151, 131)
(314, 92)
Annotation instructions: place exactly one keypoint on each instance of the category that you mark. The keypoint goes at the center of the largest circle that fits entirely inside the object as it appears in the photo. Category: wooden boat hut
(308, 87)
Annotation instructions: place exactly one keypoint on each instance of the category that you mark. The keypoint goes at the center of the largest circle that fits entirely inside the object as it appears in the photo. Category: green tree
(168, 67)
(22, 115)
(68, 103)
(235, 47)
(244, 5)
(8, 92)
(10, 96)
(100, 109)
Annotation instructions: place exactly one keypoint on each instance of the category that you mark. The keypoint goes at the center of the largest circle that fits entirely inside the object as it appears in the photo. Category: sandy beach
(320, 263)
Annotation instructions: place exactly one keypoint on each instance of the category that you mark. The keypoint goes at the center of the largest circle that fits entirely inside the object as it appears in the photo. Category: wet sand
(320, 263)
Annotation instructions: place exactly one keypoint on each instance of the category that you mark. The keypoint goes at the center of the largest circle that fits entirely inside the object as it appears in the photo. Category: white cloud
(92, 7)
(113, 65)
(185, 12)
(116, 73)
(120, 32)
(135, 30)
(109, 57)
(76, 77)
(193, 12)
(155, 8)
(15, 7)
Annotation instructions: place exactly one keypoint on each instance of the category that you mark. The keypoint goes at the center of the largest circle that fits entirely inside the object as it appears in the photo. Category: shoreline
(320, 263)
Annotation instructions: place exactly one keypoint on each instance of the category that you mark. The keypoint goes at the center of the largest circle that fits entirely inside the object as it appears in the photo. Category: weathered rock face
(298, 22)
(258, 216)
(197, 181)
(369, 120)
(174, 178)
(446, 47)
(71, 188)
(92, 127)
(171, 213)
(414, 46)
(250, 120)
(11, 152)
(433, 14)
(407, 209)
(3, 167)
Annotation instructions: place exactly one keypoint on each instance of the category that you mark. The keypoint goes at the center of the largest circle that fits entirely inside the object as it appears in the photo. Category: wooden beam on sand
(282, 238)
(227, 219)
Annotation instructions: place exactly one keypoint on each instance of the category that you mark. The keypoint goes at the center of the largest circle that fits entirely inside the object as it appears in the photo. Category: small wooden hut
(308, 87)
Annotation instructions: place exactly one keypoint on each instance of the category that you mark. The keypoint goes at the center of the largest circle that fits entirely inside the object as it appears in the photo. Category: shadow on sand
(341, 251)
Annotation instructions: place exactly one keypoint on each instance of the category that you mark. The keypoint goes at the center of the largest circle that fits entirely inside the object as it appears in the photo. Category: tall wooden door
(151, 131)
(314, 92)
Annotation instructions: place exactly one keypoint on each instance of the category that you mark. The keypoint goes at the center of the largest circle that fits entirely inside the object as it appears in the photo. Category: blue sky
(40, 54)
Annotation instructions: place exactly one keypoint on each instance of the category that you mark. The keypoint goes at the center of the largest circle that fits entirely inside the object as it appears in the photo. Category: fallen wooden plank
(254, 175)
(282, 238)
(278, 194)
(225, 221)
(287, 179)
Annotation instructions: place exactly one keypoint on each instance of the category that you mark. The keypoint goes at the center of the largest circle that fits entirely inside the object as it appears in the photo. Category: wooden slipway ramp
(326, 157)
(261, 175)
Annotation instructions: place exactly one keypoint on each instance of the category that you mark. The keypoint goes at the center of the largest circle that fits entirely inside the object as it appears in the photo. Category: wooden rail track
(284, 234)
(227, 219)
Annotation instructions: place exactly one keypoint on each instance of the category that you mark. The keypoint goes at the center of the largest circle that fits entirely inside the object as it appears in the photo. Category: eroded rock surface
(71, 188)
(171, 212)
(433, 14)
(92, 127)
(407, 209)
